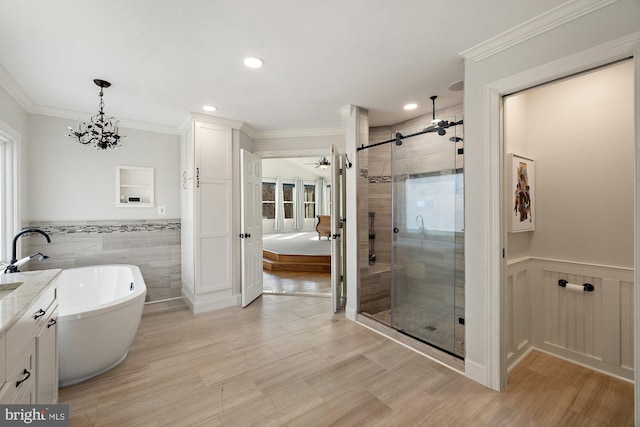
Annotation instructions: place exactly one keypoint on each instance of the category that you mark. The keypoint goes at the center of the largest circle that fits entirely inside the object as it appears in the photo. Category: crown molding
(540, 24)
(123, 123)
(13, 88)
(298, 133)
(249, 131)
(278, 154)
(215, 120)
(596, 56)
(347, 111)
(15, 91)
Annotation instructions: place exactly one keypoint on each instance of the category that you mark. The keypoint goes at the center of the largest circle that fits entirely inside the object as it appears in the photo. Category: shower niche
(411, 231)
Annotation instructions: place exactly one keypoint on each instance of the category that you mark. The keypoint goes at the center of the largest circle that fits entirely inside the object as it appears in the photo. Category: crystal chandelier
(102, 131)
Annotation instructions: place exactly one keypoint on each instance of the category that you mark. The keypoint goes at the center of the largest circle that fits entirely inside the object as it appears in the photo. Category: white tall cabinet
(208, 227)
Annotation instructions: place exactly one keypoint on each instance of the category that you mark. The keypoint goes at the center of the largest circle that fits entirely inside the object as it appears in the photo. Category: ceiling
(165, 58)
(309, 164)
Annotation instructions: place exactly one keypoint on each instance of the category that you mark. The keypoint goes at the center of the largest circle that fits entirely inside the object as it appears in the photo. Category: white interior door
(336, 238)
(251, 226)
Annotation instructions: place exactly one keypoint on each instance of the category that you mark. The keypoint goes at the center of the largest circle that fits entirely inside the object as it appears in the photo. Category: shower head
(456, 139)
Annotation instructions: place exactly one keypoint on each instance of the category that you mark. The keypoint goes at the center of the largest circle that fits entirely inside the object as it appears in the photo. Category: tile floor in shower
(439, 329)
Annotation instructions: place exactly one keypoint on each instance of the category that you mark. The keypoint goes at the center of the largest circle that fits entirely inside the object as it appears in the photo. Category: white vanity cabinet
(30, 354)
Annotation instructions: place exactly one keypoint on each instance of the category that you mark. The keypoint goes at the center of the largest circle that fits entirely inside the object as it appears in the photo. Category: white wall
(482, 161)
(580, 134)
(70, 181)
(12, 113)
(299, 143)
(273, 168)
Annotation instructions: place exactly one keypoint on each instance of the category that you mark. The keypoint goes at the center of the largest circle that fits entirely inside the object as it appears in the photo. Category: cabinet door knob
(51, 323)
(25, 372)
(39, 314)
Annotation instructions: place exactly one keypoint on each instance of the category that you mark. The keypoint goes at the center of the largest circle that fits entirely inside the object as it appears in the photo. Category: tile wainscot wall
(154, 246)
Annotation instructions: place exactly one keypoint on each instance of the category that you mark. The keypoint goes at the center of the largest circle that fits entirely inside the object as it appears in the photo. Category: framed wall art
(521, 193)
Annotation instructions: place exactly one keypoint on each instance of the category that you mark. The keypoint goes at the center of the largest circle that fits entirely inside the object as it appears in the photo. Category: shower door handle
(396, 230)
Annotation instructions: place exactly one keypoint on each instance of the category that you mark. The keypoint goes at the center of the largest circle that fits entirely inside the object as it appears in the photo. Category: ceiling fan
(322, 163)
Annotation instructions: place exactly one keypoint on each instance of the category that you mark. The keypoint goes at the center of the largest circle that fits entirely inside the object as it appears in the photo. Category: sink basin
(7, 288)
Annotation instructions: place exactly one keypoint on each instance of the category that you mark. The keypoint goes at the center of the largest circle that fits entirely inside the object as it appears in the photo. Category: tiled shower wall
(154, 246)
(374, 196)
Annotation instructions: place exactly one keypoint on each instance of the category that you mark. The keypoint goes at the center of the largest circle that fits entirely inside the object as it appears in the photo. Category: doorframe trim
(495, 225)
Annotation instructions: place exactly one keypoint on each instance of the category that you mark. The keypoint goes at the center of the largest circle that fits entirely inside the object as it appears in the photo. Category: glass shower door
(427, 239)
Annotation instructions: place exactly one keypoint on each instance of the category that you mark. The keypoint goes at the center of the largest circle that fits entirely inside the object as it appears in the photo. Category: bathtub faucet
(15, 263)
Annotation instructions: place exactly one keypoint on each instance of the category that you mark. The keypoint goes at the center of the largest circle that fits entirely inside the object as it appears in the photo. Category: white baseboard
(217, 304)
(476, 372)
(208, 302)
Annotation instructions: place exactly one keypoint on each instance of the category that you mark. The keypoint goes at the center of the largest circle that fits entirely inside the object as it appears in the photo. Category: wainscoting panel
(518, 312)
(154, 246)
(627, 346)
(594, 329)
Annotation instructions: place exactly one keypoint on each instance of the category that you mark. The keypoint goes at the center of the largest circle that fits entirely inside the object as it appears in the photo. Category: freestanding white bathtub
(99, 310)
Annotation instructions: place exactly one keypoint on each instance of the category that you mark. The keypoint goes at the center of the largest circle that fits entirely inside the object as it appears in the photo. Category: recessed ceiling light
(209, 108)
(411, 106)
(253, 62)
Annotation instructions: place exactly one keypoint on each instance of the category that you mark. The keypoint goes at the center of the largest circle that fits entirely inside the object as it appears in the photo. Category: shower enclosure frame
(422, 176)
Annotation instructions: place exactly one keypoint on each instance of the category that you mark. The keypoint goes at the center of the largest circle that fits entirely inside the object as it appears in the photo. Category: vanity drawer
(20, 384)
(27, 327)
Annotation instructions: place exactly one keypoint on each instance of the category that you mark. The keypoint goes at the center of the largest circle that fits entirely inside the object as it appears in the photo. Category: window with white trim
(287, 198)
(8, 202)
(268, 200)
(309, 201)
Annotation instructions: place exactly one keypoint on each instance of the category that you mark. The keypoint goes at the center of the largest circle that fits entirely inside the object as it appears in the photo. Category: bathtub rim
(139, 293)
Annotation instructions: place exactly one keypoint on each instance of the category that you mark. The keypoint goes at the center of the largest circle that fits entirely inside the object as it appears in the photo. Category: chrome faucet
(15, 263)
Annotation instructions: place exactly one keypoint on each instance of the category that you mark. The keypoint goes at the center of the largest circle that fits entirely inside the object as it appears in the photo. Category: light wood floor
(289, 361)
(297, 283)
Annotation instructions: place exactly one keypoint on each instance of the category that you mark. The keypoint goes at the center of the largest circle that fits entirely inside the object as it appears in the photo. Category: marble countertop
(16, 302)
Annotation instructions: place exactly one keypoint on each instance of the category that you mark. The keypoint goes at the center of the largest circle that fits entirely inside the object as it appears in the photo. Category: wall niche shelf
(134, 187)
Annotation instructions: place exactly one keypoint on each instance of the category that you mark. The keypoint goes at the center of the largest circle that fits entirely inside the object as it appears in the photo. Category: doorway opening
(296, 196)
(568, 185)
